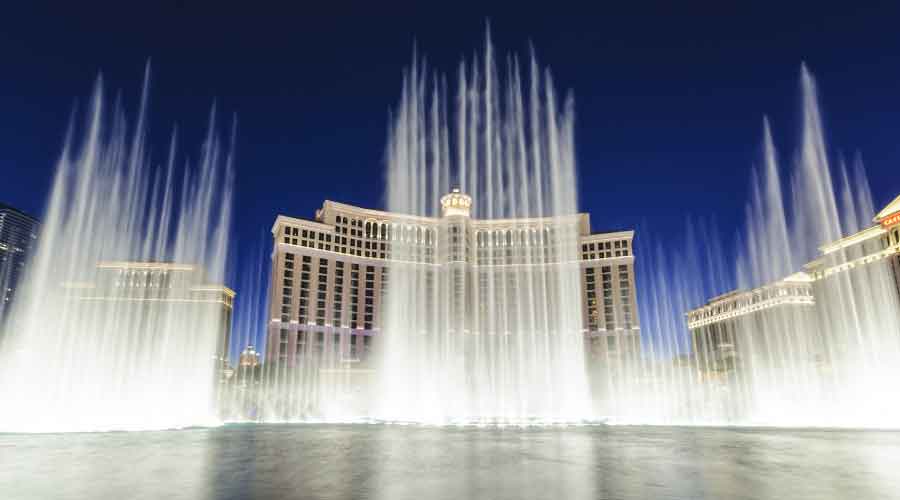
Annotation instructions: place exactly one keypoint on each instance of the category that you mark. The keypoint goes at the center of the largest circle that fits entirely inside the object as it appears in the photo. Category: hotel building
(330, 275)
(720, 329)
(159, 292)
(18, 234)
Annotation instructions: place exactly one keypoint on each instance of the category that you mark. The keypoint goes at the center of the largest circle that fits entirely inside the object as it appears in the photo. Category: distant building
(329, 276)
(162, 288)
(18, 234)
(731, 324)
(249, 358)
(717, 327)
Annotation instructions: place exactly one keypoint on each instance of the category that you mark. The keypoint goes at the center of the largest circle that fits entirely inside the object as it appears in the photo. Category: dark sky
(669, 96)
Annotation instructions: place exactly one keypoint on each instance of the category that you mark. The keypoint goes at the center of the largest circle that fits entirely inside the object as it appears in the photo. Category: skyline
(653, 129)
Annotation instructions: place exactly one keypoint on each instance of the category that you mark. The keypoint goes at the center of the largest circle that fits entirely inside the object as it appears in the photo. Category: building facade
(863, 268)
(719, 328)
(330, 275)
(160, 294)
(18, 235)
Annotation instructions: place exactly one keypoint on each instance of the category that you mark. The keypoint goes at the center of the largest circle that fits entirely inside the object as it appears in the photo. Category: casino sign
(889, 215)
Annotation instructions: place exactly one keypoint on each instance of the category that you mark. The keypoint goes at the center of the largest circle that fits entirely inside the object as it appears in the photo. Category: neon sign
(890, 220)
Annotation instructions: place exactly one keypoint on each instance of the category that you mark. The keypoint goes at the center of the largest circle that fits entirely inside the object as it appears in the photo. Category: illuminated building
(249, 358)
(721, 329)
(160, 292)
(329, 276)
(18, 233)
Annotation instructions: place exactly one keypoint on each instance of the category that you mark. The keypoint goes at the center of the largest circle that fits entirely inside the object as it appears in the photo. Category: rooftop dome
(456, 203)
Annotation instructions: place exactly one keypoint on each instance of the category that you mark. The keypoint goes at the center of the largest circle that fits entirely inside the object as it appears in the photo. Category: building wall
(144, 285)
(329, 277)
(891, 238)
(866, 263)
(608, 294)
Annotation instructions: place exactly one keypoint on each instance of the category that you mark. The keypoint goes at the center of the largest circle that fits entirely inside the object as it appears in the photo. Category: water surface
(409, 462)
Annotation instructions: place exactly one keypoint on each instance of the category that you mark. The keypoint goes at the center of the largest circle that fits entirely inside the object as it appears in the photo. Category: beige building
(147, 287)
(718, 326)
(329, 275)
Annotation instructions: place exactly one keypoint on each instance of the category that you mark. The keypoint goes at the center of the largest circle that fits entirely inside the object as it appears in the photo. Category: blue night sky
(669, 97)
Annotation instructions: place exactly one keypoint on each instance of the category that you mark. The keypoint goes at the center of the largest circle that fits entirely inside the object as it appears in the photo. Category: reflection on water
(398, 462)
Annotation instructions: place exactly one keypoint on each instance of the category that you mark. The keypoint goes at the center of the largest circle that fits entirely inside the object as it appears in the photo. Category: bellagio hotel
(329, 277)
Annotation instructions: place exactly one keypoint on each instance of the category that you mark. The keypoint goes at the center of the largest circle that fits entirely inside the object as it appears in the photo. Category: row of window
(601, 306)
(604, 249)
(606, 313)
(346, 345)
(303, 316)
(497, 244)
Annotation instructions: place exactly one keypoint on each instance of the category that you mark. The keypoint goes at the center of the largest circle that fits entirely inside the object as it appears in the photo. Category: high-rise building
(18, 234)
(329, 276)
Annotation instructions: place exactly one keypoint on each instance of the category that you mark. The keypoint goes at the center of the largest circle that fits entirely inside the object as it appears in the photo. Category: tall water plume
(812, 337)
(483, 319)
(121, 320)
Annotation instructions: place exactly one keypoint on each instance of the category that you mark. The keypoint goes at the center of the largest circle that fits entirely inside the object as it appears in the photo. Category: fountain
(483, 320)
(121, 322)
(479, 316)
(811, 336)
